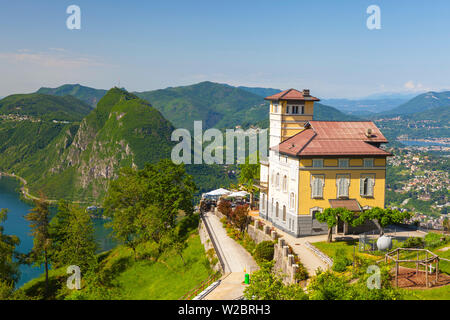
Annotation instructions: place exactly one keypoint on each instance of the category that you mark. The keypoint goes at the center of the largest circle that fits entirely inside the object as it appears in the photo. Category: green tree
(79, 246)
(249, 174)
(266, 285)
(332, 216)
(446, 224)
(9, 269)
(384, 217)
(329, 286)
(59, 225)
(39, 224)
(144, 204)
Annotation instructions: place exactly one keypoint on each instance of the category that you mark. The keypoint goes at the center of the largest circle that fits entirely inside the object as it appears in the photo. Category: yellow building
(314, 165)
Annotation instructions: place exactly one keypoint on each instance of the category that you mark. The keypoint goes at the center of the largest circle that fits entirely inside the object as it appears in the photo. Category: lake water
(17, 225)
(422, 143)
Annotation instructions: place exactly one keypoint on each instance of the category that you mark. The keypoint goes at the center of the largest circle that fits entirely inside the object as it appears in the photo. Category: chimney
(306, 92)
(369, 133)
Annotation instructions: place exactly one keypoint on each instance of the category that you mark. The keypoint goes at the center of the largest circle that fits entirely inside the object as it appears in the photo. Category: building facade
(314, 165)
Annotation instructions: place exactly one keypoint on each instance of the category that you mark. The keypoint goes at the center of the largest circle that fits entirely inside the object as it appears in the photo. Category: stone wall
(284, 262)
(258, 235)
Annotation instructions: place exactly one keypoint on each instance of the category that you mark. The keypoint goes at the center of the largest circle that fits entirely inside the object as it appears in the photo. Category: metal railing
(206, 283)
(211, 237)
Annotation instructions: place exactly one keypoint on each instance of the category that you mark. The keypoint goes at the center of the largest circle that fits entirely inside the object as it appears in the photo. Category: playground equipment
(427, 262)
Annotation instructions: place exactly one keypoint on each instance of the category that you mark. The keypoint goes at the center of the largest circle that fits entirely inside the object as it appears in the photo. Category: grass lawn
(168, 278)
(330, 249)
(442, 293)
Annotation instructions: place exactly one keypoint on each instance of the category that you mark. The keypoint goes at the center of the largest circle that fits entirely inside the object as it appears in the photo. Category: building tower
(289, 112)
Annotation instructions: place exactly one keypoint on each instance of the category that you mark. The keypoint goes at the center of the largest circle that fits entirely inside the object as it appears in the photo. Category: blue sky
(321, 45)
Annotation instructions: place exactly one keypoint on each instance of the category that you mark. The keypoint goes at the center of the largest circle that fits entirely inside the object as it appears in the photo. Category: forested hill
(217, 105)
(421, 103)
(44, 107)
(78, 162)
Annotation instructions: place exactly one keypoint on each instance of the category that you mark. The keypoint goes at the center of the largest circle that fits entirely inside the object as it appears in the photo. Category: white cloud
(56, 58)
(412, 86)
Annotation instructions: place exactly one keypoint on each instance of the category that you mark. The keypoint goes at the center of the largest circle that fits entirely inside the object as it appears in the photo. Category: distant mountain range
(71, 140)
(217, 105)
(89, 95)
(421, 103)
(365, 106)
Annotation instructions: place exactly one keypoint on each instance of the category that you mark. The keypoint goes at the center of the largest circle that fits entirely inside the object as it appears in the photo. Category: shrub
(413, 242)
(264, 251)
(302, 273)
(341, 262)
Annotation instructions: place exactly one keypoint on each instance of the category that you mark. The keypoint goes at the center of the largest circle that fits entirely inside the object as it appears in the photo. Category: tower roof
(292, 94)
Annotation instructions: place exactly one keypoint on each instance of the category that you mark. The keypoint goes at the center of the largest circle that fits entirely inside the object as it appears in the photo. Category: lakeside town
(419, 181)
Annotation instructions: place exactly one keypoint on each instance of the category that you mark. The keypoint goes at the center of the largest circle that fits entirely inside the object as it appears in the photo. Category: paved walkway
(236, 260)
(231, 287)
(235, 257)
(306, 256)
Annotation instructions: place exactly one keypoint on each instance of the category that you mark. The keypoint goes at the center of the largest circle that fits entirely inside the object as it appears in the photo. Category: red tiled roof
(334, 138)
(350, 204)
(347, 130)
(291, 94)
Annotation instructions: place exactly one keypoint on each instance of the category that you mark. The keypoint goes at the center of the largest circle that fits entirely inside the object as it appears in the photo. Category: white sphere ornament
(384, 243)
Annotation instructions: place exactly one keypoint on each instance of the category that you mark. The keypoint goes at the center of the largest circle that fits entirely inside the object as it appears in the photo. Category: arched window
(276, 210)
(278, 181)
(284, 213)
(285, 184)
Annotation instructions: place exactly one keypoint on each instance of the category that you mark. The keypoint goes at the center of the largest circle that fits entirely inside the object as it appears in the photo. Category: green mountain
(422, 103)
(263, 92)
(76, 160)
(78, 163)
(438, 114)
(217, 105)
(29, 122)
(44, 107)
(89, 95)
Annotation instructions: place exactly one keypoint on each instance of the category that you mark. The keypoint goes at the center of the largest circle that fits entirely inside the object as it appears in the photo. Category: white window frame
(315, 177)
(370, 188)
(292, 200)
(312, 210)
(339, 179)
